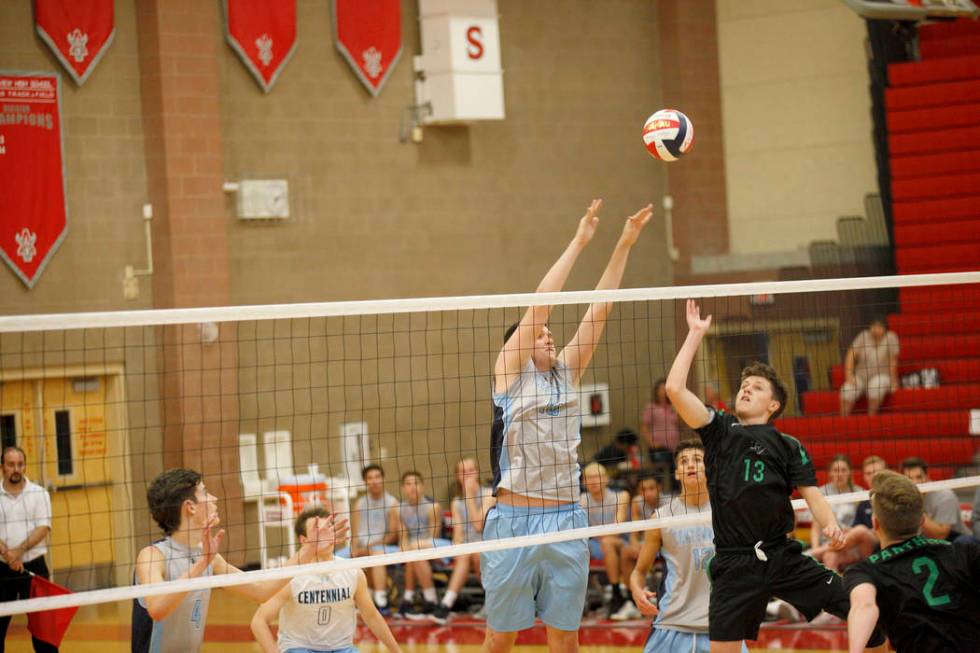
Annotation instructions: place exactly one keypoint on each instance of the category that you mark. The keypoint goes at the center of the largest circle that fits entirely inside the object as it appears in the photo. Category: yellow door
(77, 469)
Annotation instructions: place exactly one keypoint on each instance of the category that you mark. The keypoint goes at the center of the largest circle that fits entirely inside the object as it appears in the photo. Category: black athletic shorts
(742, 585)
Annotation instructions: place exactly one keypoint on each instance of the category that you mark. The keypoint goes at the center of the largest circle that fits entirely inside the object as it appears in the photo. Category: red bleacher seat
(957, 208)
(954, 258)
(936, 186)
(950, 371)
(917, 235)
(941, 453)
(951, 397)
(932, 95)
(917, 120)
(932, 141)
(915, 73)
(939, 299)
(920, 324)
(917, 166)
(912, 425)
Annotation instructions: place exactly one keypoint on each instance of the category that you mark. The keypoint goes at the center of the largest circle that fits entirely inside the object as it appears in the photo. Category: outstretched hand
(694, 321)
(209, 544)
(635, 223)
(587, 225)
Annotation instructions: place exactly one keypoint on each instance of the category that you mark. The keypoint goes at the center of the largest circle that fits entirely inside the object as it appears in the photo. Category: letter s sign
(474, 42)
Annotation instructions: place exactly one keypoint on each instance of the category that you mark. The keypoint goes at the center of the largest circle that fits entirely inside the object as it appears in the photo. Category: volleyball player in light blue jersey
(534, 454)
(181, 504)
(681, 612)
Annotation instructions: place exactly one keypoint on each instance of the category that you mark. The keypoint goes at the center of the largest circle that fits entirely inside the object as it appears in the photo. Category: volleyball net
(283, 407)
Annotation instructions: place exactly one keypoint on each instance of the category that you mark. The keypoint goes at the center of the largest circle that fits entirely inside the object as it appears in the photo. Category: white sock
(430, 594)
(409, 595)
(622, 589)
(380, 598)
(449, 598)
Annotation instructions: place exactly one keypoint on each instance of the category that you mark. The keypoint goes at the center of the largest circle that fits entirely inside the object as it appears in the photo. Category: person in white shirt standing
(25, 521)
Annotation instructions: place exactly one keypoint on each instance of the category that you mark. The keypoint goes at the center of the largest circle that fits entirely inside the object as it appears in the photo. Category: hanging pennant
(369, 35)
(33, 210)
(77, 31)
(263, 33)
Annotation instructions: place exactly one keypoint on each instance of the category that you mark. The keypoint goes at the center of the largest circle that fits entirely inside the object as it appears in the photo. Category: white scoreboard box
(460, 61)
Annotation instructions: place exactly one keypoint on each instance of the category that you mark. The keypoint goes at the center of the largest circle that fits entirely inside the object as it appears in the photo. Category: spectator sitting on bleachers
(604, 506)
(859, 540)
(621, 454)
(941, 508)
(839, 481)
(870, 367)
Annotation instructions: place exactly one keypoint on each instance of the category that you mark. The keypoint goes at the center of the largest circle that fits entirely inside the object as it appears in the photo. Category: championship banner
(263, 33)
(369, 35)
(33, 209)
(77, 31)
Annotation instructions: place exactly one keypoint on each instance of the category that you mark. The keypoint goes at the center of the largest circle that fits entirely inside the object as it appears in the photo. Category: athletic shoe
(779, 610)
(423, 612)
(616, 603)
(440, 614)
(405, 609)
(627, 612)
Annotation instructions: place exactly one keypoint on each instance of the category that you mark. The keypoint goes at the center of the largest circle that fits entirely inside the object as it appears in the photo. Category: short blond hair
(871, 460)
(897, 505)
(597, 469)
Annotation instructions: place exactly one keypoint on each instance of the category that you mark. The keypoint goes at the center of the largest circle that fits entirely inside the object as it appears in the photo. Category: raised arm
(578, 353)
(517, 350)
(687, 404)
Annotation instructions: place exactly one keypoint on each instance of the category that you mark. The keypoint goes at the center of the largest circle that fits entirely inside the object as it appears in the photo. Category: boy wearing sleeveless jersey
(752, 469)
(419, 519)
(374, 523)
(604, 506)
(534, 453)
(681, 612)
(185, 510)
(924, 592)
(319, 612)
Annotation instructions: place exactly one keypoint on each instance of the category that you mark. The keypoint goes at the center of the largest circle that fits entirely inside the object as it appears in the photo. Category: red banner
(77, 31)
(263, 33)
(33, 210)
(369, 35)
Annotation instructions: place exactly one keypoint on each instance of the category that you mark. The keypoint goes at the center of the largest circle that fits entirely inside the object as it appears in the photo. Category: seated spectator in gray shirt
(941, 520)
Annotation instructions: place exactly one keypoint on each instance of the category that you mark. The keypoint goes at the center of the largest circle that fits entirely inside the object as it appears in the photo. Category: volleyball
(668, 135)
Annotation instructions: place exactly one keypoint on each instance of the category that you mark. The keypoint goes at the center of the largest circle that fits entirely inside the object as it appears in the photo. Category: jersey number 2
(917, 566)
(760, 470)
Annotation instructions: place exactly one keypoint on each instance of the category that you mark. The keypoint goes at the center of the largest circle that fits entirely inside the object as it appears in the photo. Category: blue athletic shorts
(349, 649)
(548, 580)
(664, 640)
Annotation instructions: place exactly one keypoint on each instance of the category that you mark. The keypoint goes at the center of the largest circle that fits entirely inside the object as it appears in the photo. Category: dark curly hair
(167, 494)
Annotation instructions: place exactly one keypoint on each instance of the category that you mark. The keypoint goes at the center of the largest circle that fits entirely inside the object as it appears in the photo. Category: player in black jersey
(925, 593)
(752, 470)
